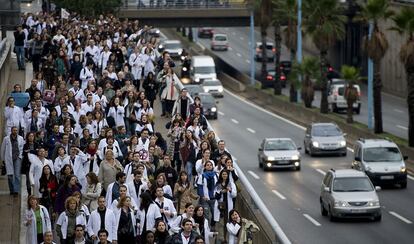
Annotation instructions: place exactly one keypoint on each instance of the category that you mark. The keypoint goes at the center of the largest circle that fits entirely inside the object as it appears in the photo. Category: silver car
(173, 47)
(324, 138)
(349, 193)
(279, 153)
(214, 87)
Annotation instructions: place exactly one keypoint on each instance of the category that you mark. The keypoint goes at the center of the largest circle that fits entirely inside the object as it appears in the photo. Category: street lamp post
(252, 48)
(299, 41)
(370, 81)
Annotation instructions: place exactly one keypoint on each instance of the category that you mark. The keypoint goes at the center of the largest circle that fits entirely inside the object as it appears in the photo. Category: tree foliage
(90, 8)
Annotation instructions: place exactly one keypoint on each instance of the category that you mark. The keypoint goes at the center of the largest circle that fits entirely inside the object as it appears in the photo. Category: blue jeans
(20, 56)
(189, 170)
(14, 179)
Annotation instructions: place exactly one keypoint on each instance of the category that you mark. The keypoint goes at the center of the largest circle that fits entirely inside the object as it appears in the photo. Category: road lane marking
(234, 121)
(398, 110)
(221, 113)
(279, 194)
(238, 54)
(201, 46)
(251, 130)
(253, 174)
(410, 177)
(402, 127)
(265, 111)
(321, 171)
(312, 220)
(407, 221)
(247, 61)
(241, 38)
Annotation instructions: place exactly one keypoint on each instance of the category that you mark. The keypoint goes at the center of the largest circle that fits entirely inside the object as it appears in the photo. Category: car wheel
(331, 217)
(323, 210)
(343, 154)
(403, 185)
(378, 218)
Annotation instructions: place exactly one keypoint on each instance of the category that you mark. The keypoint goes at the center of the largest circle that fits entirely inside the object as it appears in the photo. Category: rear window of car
(269, 47)
(212, 83)
(220, 38)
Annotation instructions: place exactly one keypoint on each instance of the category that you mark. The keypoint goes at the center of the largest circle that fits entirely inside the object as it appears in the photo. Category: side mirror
(299, 148)
(405, 157)
(326, 189)
(260, 149)
(358, 159)
(377, 188)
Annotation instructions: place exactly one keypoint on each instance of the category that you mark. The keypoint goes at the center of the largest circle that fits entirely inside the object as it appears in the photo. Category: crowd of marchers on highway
(345, 193)
(100, 166)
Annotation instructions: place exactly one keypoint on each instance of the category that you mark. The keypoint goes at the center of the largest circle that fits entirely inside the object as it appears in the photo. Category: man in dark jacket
(220, 151)
(170, 172)
(19, 37)
(186, 235)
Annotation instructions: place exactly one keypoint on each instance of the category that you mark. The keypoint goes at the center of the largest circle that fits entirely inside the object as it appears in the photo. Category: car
(214, 87)
(219, 42)
(209, 105)
(205, 32)
(381, 160)
(270, 80)
(155, 32)
(279, 153)
(324, 138)
(270, 51)
(202, 68)
(349, 193)
(173, 47)
(193, 89)
(286, 67)
(336, 97)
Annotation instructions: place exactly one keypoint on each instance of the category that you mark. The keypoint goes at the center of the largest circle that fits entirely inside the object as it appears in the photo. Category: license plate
(283, 162)
(358, 210)
(387, 177)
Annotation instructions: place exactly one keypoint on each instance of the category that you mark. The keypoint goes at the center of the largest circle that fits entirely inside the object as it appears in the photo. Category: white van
(202, 68)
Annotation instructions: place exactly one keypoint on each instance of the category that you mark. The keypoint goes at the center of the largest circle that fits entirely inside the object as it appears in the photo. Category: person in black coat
(151, 88)
(76, 67)
(170, 173)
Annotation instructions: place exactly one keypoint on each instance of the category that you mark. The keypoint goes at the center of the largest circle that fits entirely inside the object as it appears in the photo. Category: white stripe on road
(238, 54)
(311, 219)
(251, 130)
(407, 221)
(201, 46)
(163, 35)
(410, 177)
(398, 110)
(279, 194)
(253, 174)
(221, 113)
(321, 171)
(402, 127)
(241, 38)
(265, 111)
(234, 121)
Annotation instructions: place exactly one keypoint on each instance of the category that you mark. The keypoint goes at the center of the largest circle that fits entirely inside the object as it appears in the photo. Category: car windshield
(207, 99)
(220, 38)
(382, 154)
(352, 184)
(279, 145)
(341, 91)
(204, 70)
(326, 130)
(172, 45)
(269, 47)
(211, 83)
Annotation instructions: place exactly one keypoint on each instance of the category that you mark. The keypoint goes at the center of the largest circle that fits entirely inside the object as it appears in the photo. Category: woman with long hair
(225, 191)
(202, 224)
(92, 191)
(144, 123)
(162, 182)
(70, 186)
(37, 220)
(29, 147)
(131, 106)
(189, 150)
(133, 144)
(48, 188)
(175, 134)
(148, 213)
(183, 192)
(161, 233)
(125, 221)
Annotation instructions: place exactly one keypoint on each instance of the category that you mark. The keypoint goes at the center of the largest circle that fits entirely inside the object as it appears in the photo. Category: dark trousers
(36, 62)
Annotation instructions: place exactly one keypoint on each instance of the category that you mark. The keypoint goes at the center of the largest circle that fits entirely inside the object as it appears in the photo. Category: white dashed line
(407, 221)
(234, 121)
(221, 113)
(201, 46)
(253, 174)
(238, 54)
(320, 171)
(402, 127)
(241, 38)
(312, 220)
(279, 195)
(251, 130)
(247, 61)
(398, 110)
(410, 177)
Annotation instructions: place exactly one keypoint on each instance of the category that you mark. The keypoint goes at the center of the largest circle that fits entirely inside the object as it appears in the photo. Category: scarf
(209, 176)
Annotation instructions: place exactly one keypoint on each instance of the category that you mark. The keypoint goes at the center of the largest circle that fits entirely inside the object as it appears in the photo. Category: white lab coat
(148, 64)
(94, 224)
(35, 171)
(108, 197)
(94, 51)
(133, 192)
(205, 192)
(170, 91)
(233, 229)
(95, 167)
(130, 174)
(103, 59)
(168, 206)
(136, 62)
(13, 117)
(140, 127)
(230, 196)
(97, 127)
(6, 153)
(85, 108)
(117, 114)
(116, 149)
(152, 214)
(86, 74)
(59, 163)
(103, 143)
(78, 93)
(39, 125)
(63, 222)
(79, 168)
(31, 234)
(207, 232)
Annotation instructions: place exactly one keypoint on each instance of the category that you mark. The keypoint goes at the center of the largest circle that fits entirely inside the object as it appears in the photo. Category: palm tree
(404, 24)
(376, 47)
(309, 71)
(325, 23)
(263, 8)
(351, 75)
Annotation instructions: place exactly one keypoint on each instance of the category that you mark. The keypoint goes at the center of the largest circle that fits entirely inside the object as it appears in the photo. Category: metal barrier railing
(182, 4)
(4, 48)
(280, 235)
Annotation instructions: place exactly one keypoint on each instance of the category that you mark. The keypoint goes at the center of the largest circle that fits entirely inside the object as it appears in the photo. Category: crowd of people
(97, 169)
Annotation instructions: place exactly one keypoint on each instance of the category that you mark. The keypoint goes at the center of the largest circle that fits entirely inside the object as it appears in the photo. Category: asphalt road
(293, 196)
(395, 113)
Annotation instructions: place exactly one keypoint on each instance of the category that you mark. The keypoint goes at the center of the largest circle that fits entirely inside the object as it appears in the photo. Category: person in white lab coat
(71, 215)
(86, 74)
(117, 112)
(113, 190)
(36, 168)
(201, 223)
(36, 216)
(167, 208)
(12, 155)
(136, 187)
(13, 115)
(123, 192)
(95, 222)
(103, 58)
(148, 213)
(233, 226)
(136, 62)
(125, 221)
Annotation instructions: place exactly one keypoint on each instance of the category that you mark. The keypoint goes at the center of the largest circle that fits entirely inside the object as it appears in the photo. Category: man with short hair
(103, 237)
(137, 186)
(102, 218)
(220, 151)
(112, 192)
(167, 208)
(182, 105)
(186, 236)
(80, 235)
(19, 38)
(170, 173)
(123, 192)
(48, 238)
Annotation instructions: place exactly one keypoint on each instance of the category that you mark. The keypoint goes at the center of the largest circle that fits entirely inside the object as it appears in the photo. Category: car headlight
(403, 169)
(205, 89)
(213, 109)
(180, 52)
(315, 144)
(373, 203)
(220, 89)
(197, 79)
(341, 204)
(342, 143)
(182, 58)
(270, 158)
(160, 46)
(157, 31)
(295, 157)
(184, 69)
